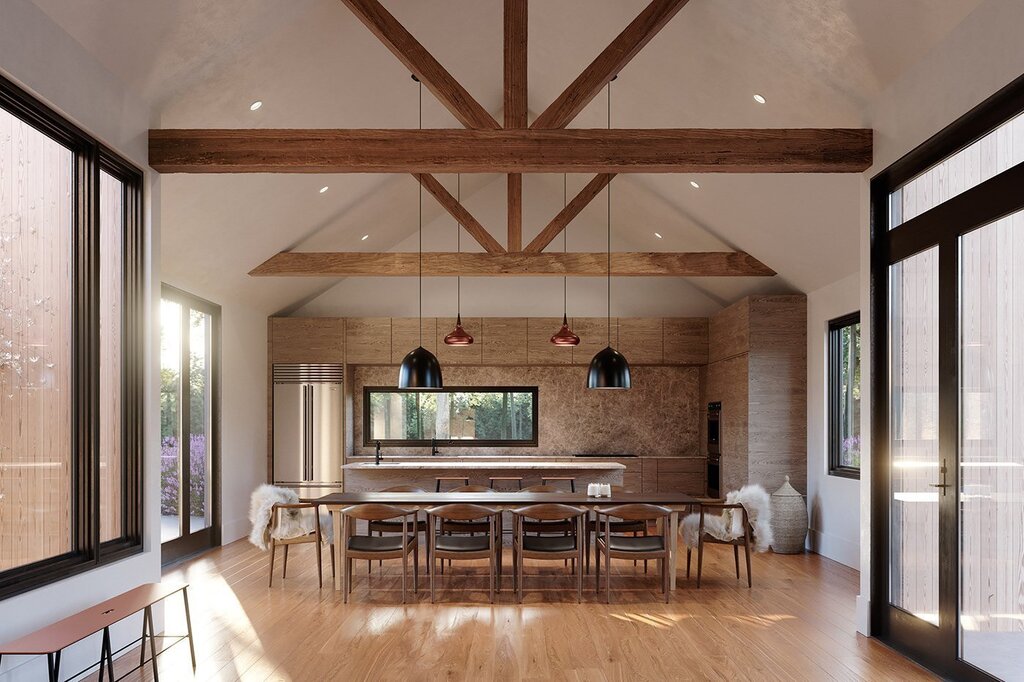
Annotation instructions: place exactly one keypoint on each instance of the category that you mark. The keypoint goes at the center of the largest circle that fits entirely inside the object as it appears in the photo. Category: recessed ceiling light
(364, 237)
(693, 184)
(324, 189)
(658, 235)
(759, 99)
(255, 105)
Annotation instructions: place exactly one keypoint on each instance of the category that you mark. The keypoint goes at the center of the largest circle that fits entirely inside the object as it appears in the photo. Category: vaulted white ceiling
(201, 63)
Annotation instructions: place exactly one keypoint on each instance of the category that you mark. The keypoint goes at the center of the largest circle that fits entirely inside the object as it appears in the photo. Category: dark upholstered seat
(462, 543)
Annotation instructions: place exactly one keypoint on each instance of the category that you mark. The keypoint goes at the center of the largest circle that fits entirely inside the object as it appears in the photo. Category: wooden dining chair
(383, 547)
(462, 547)
(546, 527)
(745, 540)
(311, 537)
(634, 528)
(631, 547)
(547, 547)
(381, 527)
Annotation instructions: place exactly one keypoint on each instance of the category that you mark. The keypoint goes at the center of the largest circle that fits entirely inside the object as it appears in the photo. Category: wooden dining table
(677, 502)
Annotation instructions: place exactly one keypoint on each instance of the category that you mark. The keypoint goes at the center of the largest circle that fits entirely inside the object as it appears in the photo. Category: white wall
(979, 57)
(833, 502)
(38, 55)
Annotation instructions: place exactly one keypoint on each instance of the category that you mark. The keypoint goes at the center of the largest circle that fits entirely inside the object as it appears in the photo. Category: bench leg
(152, 643)
(142, 642)
(106, 658)
(188, 627)
(53, 666)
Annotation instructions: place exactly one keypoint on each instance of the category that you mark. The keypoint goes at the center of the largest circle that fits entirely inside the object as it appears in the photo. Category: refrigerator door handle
(308, 463)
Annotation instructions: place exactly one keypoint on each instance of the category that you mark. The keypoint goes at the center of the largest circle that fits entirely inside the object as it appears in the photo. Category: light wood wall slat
(503, 341)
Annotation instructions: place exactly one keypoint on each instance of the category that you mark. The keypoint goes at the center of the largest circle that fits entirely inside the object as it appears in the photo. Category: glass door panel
(170, 420)
(200, 418)
(914, 435)
(991, 618)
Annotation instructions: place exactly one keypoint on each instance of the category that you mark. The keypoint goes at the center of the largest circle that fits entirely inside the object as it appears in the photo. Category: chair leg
(736, 558)
(665, 577)
(700, 558)
(645, 535)
(330, 550)
(405, 571)
(273, 548)
(608, 574)
(319, 557)
(346, 570)
(688, 551)
(597, 567)
(416, 568)
(284, 573)
(750, 579)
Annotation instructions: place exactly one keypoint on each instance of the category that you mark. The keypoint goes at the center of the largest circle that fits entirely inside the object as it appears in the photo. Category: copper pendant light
(565, 336)
(609, 368)
(420, 370)
(458, 336)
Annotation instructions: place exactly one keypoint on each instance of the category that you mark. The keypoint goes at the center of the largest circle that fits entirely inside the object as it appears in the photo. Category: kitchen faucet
(433, 447)
(376, 456)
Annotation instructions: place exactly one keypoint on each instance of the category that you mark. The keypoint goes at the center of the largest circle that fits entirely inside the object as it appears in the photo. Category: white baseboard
(836, 548)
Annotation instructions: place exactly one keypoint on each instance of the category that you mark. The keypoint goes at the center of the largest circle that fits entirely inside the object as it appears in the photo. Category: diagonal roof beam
(459, 212)
(422, 64)
(607, 64)
(567, 214)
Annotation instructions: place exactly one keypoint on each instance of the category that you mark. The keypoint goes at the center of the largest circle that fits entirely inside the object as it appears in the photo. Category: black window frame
(534, 391)
(90, 157)
(834, 383)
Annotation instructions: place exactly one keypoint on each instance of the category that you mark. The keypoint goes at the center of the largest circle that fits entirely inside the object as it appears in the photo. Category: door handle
(943, 485)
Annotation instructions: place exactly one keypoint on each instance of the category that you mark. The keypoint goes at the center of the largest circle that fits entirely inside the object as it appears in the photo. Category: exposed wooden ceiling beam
(459, 212)
(607, 64)
(330, 264)
(515, 211)
(422, 64)
(515, 15)
(569, 212)
(774, 150)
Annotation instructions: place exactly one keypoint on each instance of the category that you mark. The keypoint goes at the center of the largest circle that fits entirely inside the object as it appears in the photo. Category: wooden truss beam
(632, 264)
(459, 212)
(773, 150)
(571, 210)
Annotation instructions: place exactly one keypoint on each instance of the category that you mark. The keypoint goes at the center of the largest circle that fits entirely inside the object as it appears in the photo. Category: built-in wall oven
(714, 477)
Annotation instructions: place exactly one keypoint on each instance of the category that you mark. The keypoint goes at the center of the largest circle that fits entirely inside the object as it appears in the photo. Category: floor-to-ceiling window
(70, 348)
(948, 326)
(189, 414)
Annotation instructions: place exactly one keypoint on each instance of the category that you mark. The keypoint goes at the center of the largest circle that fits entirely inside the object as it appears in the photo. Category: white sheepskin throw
(729, 524)
(291, 523)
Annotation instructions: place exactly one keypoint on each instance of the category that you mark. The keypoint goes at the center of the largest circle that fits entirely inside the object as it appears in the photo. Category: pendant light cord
(458, 247)
(565, 249)
(421, 222)
(609, 227)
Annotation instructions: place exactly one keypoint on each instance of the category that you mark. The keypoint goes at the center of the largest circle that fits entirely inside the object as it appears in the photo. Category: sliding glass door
(189, 415)
(948, 456)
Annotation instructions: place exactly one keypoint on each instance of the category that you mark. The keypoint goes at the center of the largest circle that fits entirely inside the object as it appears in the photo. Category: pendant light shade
(420, 371)
(458, 336)
(565, 336)
(608, 369)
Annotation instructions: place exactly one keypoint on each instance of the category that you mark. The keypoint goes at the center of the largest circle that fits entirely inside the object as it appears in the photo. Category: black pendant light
(458, 336)
(420, 370)
(609, 368)
(565, 336)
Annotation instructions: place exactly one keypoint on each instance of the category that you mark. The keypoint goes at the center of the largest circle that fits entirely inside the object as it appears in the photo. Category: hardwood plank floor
(797, 623)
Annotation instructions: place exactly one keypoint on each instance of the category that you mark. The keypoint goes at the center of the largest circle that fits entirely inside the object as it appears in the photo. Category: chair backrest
(636, 512)
(462, 512)
(549, 512)
(376, 512)
(403, 489)
(472, 489)
(541, 489)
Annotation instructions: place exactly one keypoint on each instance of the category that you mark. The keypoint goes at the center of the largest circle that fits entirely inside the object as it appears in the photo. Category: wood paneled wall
(758, 370)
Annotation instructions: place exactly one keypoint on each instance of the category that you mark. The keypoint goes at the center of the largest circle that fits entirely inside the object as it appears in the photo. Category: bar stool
(572, 481)
(518, 480)
(551, 548)
(461, 480)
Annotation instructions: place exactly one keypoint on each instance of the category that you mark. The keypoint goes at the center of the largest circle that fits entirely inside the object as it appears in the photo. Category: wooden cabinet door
(459, 355)
(539, 349)
(686, 340)
(368, 341)
(407, 334)
(640, 340)
(593, 333)
(504, 340)
(307, 339)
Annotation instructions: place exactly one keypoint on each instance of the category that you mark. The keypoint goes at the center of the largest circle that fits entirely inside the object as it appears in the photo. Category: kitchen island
(422, 472)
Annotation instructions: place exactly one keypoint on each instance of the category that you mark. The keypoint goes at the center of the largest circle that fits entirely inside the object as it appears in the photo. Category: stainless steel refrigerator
(308, 428)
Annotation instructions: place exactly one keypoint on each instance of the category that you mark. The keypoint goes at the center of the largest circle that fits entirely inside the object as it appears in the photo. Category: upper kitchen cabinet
(539, 349)
(640, 340)
(504, 341)
(686, 340)
(407, 333)
(368, 341)
(459, 355)
(307, 339)
(593, 333)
